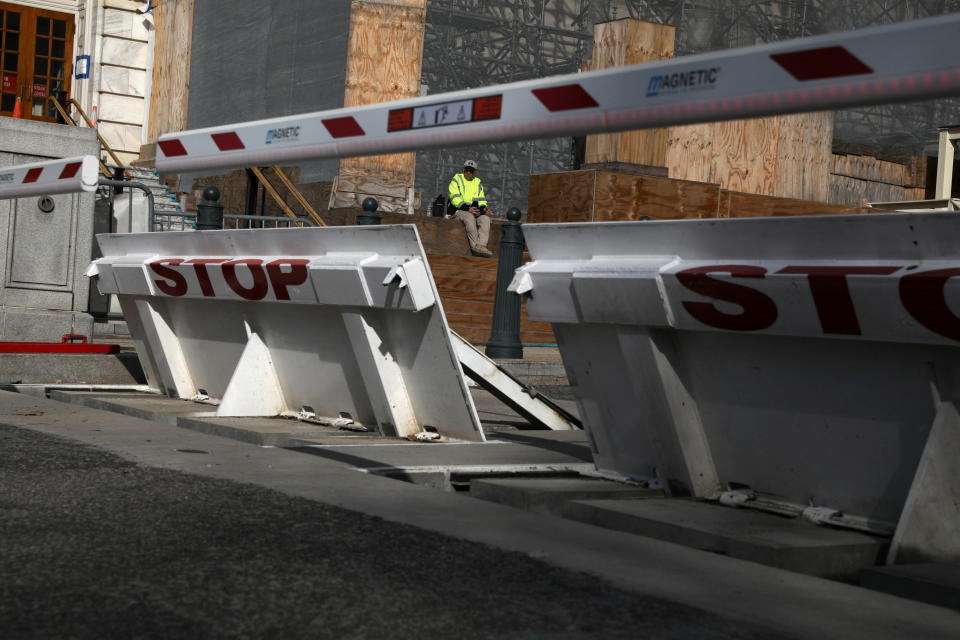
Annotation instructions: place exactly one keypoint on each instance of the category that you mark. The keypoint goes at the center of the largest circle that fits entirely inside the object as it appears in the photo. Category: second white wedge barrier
(336, 323)
(801, 358)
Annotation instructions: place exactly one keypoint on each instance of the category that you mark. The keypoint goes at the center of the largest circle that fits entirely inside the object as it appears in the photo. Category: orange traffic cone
(16, 109)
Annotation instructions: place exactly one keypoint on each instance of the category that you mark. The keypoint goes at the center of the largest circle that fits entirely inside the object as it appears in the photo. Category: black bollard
(504, 339)
(369, 215)
(119, 175)
(209, 211)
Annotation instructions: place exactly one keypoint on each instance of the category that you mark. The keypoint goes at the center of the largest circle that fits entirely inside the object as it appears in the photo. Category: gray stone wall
(253, 59)
(43, 292)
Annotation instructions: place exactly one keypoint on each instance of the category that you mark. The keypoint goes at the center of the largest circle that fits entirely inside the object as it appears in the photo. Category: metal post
(119, 175)
(945, 157)
(369, 215)
(209, 211)
(252, 189)
(504, 339)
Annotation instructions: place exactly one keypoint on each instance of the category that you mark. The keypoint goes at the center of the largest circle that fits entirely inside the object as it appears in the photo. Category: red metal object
(344, 127)
(69, 343)
(228, 141)
(817, 64)
(566, 97)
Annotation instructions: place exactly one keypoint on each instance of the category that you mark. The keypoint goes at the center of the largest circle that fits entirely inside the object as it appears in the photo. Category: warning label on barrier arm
(67, 175)
(334, 321)
(899, 62)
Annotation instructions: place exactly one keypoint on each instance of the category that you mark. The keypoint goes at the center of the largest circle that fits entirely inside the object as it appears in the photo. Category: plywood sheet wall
(624, 42)
(595, 195)
(857, 179)
(786, 156)
(170, 83)
(384, 54)
(804, 152)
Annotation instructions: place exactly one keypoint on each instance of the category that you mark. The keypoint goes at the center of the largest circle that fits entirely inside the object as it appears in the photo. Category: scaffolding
(475, 43)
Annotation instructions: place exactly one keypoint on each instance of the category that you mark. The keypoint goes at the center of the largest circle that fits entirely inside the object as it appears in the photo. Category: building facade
(97, 51)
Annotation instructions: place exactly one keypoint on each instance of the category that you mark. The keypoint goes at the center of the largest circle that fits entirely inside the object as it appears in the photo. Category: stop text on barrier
(276, 275)
(847, 300)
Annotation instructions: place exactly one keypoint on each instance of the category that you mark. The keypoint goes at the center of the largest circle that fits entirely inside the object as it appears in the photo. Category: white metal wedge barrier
(800, 358)
(67, 175)
(897, 62)
(335, 324)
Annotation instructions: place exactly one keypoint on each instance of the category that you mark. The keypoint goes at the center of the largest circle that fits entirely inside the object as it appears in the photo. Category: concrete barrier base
(785, 543)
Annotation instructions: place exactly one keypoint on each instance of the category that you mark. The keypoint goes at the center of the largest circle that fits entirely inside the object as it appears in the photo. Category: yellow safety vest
(462, 191)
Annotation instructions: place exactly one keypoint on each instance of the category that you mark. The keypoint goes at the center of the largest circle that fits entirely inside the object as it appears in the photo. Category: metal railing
(288, 183)
(187, 221)
(61, 109)
(127, 184)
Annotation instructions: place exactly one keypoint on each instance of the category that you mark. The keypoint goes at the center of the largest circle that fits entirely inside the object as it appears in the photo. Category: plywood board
(624, 42)
(740, 155)
(592, 195)
(871, 168)
(784, 156)
(856, 192)
(384, 54)
(803, 156)
(561, 197)
(629, 197)
(750, 205)
(170, 83)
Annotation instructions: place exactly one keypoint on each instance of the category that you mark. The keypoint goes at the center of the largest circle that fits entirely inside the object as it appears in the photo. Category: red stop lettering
(281, 279)
(923, 296)
(200, 268)
(759, 311)
(831, 295)
(258, 290)
(174, 284)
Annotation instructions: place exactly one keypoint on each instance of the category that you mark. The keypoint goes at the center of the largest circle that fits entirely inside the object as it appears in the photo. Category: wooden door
(36, 50)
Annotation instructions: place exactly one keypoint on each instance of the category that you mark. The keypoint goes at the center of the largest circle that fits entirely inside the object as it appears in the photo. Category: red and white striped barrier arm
(899, 62)
(66, 175)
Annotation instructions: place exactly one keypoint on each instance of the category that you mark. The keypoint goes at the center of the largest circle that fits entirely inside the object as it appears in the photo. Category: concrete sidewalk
(310, 546)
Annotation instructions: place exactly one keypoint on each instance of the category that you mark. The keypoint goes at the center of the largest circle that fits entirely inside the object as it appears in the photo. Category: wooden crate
(595, 196)
(606, 196)
(786, 156)
(466, 286)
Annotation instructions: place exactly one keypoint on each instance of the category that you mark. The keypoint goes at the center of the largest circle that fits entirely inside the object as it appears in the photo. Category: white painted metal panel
(898, 62)
(792, 355)
(337, 319)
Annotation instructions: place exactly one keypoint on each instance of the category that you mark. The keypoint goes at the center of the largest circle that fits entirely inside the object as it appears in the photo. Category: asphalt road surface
(94, 546)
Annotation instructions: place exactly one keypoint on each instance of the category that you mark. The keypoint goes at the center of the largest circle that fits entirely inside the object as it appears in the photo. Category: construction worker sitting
(470, 205)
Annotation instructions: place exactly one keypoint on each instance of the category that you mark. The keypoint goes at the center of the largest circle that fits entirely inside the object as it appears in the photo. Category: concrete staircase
(164, 200)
